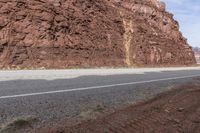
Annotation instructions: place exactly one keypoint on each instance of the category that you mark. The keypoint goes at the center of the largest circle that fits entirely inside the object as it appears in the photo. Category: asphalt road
(53, 95)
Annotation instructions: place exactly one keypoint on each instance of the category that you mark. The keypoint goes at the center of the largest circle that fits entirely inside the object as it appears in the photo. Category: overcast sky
(187, 12)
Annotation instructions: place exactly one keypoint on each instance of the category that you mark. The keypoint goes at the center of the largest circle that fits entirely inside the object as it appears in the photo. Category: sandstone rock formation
(90, 33)
(196, 51)
(197, 54)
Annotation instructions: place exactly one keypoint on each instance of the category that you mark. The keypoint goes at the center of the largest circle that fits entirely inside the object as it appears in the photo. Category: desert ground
(177, 110)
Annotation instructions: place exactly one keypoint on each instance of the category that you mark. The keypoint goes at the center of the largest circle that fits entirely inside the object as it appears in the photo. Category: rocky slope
(90, 33)
(197, 54)
(196, 51)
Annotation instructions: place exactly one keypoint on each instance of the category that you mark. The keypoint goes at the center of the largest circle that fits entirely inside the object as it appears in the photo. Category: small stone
(180, 109)
(177, 121)
(167, 111)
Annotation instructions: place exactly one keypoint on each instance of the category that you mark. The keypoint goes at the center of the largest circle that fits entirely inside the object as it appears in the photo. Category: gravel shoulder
(8, 75)
(177, 110)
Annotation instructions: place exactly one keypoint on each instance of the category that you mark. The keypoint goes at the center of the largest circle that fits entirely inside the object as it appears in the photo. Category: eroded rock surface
(90, 33)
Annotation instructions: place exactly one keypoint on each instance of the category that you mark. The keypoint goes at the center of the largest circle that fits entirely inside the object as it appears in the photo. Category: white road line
(94, 87)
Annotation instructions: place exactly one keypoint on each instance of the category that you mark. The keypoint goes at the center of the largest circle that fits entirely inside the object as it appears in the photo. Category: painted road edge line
(94, 87)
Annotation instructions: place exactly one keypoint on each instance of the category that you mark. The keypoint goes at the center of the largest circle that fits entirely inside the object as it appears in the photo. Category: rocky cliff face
(90, 33)
(196, 51)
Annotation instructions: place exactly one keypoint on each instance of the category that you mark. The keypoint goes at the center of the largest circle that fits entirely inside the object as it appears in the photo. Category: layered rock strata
(90, 33)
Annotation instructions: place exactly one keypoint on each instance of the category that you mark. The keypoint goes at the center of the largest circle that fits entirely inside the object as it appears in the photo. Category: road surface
(52, 95)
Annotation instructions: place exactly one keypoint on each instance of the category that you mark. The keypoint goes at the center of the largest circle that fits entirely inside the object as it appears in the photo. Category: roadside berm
(174, 111)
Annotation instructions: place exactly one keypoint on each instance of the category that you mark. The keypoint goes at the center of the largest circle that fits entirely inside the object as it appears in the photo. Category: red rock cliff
(90, 33)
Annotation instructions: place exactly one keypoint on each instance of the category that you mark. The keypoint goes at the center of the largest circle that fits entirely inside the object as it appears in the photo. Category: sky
(187, 12)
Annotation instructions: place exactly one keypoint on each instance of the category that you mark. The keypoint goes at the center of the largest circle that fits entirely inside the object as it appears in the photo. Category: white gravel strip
(74, 73)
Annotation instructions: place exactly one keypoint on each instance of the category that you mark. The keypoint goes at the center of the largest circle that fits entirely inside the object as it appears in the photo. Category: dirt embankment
(171, 112)
(89, 33)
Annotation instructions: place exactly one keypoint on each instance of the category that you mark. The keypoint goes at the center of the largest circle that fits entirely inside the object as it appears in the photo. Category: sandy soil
(172, 112)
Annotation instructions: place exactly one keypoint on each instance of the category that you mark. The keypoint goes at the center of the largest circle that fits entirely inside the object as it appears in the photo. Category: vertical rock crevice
(127, 38)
